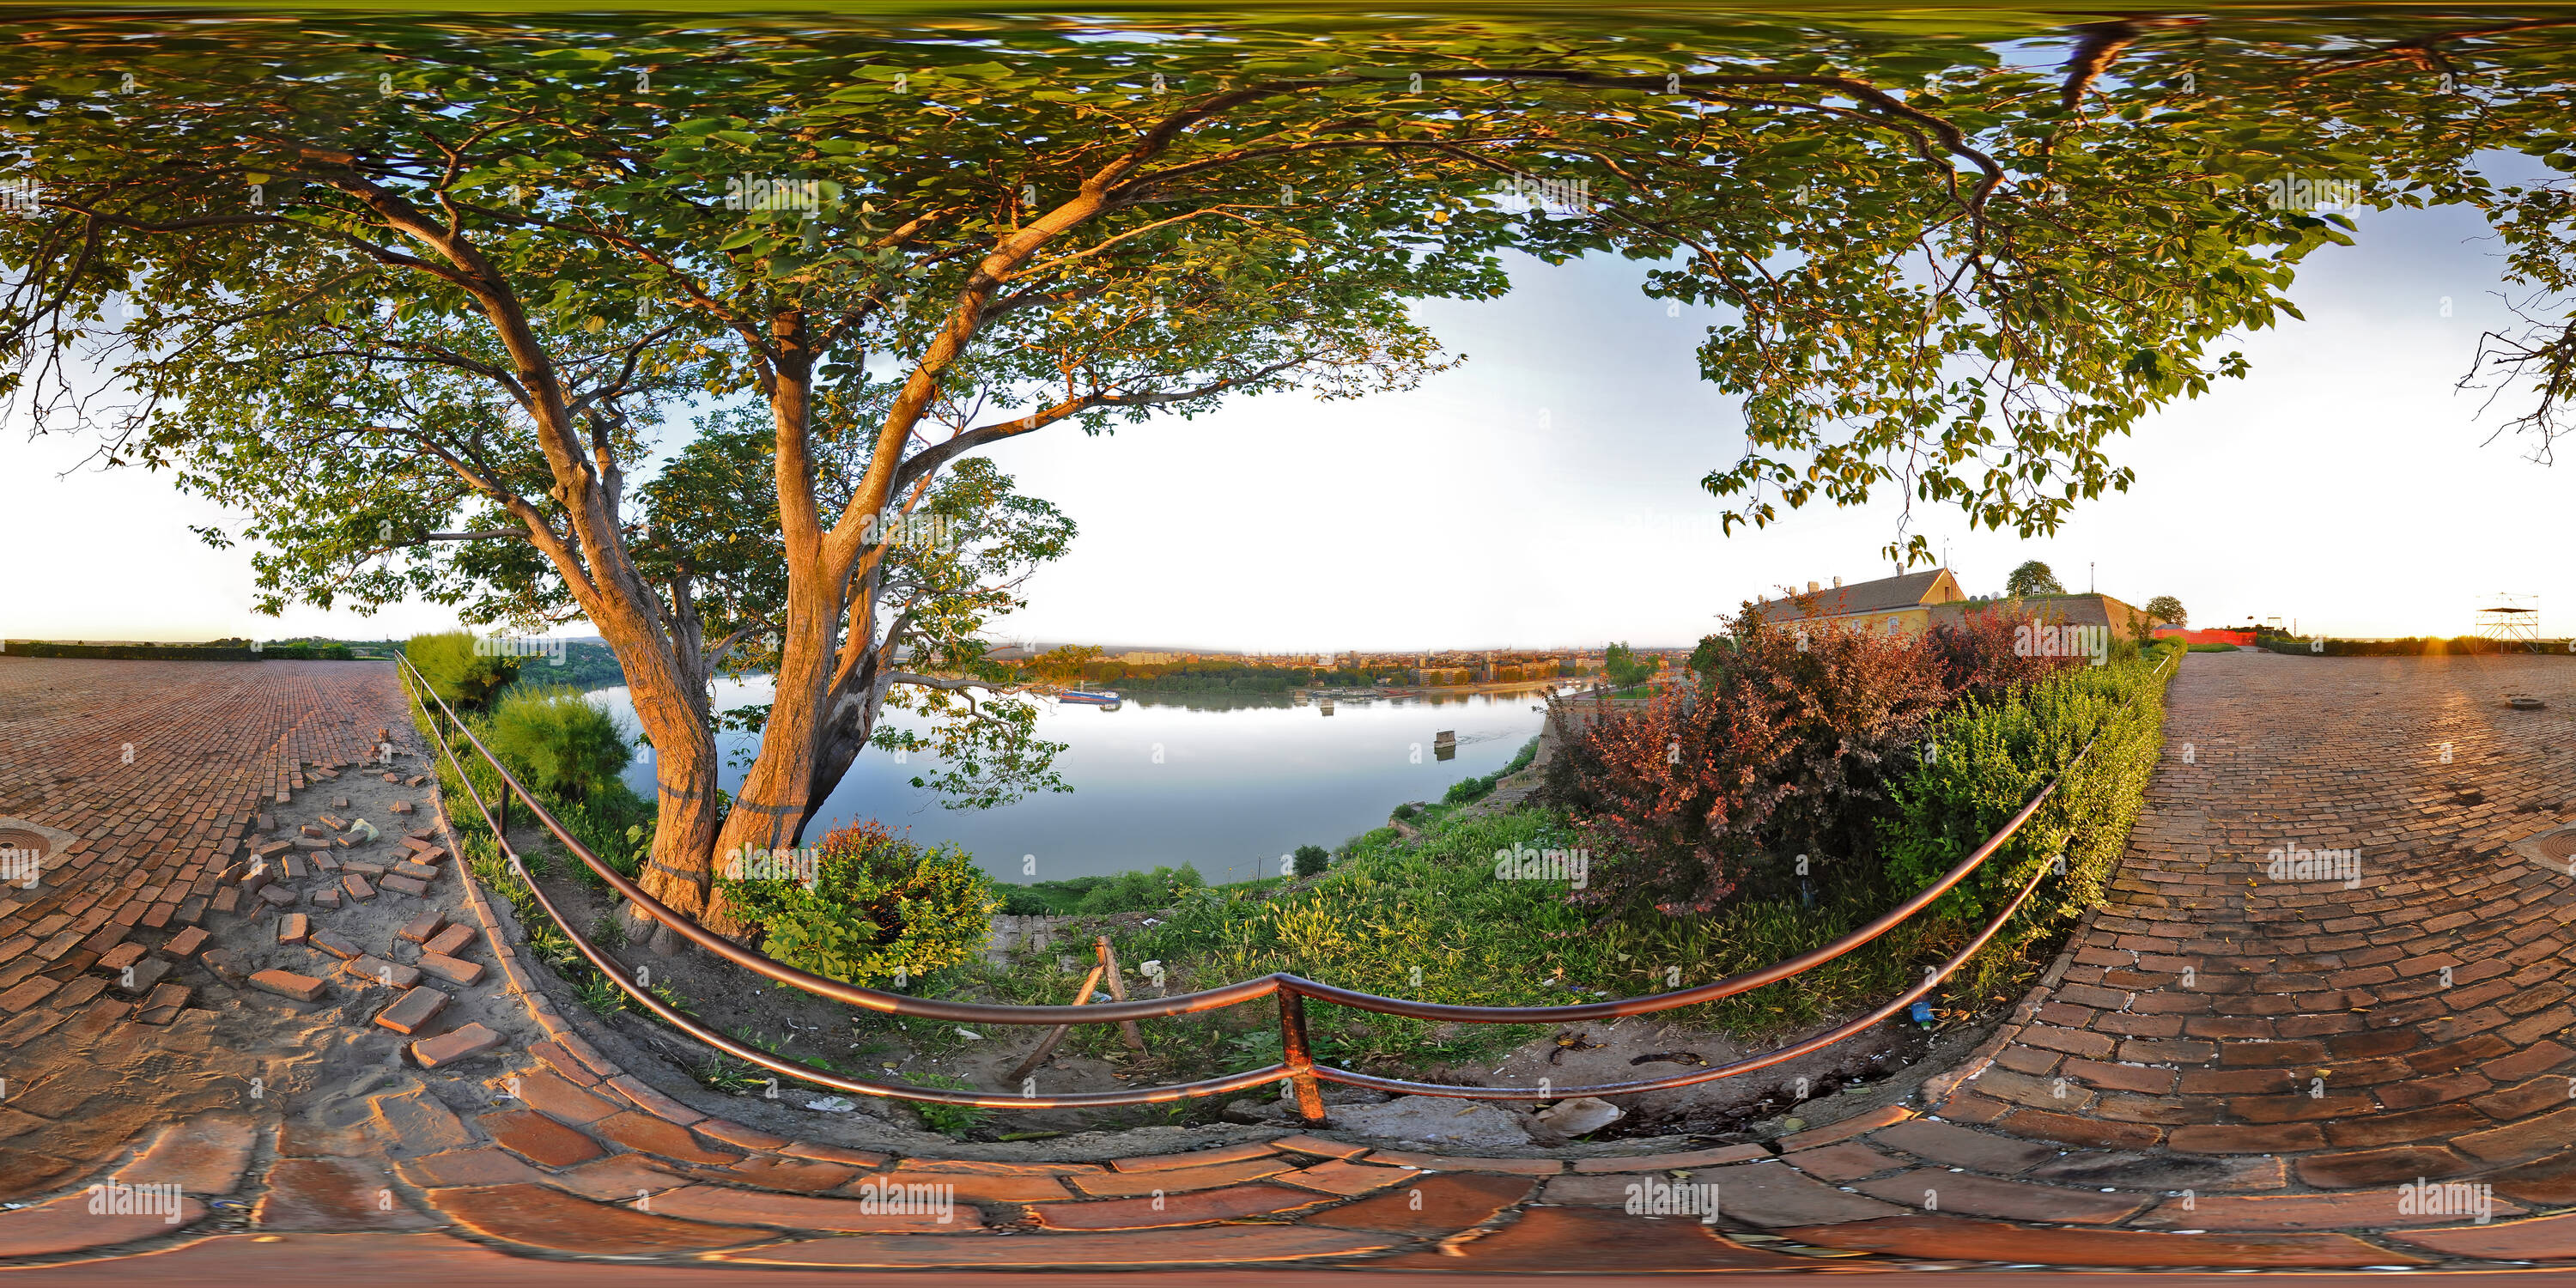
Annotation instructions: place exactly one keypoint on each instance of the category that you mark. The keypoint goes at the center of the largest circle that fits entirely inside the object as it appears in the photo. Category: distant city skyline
(1545, 494)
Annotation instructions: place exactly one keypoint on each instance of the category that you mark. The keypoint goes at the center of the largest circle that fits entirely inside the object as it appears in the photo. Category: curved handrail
(1286, 986)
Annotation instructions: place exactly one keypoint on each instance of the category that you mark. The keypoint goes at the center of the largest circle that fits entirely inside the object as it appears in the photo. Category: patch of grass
(948, 1120)
(599, 994)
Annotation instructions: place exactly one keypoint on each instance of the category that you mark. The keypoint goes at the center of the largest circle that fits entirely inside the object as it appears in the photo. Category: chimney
(1812, 588)
(1838, 583)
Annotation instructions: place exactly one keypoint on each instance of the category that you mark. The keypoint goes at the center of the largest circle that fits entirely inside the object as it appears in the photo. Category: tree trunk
(844, 734)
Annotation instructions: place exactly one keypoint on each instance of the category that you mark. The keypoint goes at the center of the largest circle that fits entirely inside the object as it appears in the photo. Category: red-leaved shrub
(1782, 748)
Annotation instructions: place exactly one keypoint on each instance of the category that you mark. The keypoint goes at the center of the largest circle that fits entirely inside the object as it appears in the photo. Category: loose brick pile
(212, 744)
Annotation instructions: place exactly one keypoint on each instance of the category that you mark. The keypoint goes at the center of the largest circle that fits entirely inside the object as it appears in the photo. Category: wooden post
(1118, 992)
(1056, 1034)
(1300, 1058)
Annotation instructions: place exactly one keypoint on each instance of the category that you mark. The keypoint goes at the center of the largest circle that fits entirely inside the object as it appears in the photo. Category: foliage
(1427, 919)
(1483, 785)
(1994, 755)
(1625, 667)
(1134, 891)
(880, 905)
(1771, 769)
(415, 296)
(2167, 608)
(2031, 579)
(947, 1120)
(556, 740)
(456, 671)
(1312, 860)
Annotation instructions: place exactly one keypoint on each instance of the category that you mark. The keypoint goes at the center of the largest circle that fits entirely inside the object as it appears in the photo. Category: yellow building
(1890, 604)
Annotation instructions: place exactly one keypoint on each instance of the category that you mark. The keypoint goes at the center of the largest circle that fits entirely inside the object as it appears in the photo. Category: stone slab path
(2232, 1067)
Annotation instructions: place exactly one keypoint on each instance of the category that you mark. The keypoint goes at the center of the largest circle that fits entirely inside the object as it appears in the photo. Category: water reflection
(1226, 783)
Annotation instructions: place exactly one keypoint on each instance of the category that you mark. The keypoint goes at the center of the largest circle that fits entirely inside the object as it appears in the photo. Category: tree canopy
(421, 298)
(2032, 578)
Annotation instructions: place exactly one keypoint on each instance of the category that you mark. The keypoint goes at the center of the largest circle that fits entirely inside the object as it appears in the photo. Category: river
(1228, 784)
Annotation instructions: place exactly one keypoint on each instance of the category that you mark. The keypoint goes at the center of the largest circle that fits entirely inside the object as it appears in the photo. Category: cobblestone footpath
(2233, 1067)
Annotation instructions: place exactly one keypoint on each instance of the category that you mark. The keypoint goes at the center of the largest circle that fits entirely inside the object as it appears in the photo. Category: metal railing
(1297, 1066)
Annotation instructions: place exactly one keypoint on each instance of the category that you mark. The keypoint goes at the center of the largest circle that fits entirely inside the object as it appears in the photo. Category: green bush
(1141, 891)
(879, 906)
(1474, 789)
(557, 741)
(1312, 860)
(458, 675)
(1993, 755)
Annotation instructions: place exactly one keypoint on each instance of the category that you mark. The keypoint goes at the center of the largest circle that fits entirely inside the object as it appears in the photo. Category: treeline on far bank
(1235, 677)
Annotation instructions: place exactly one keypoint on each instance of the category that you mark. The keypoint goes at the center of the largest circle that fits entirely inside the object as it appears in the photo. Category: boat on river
(1104, 698)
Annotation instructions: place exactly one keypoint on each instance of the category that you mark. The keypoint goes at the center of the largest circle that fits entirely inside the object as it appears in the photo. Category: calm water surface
(1229, 784)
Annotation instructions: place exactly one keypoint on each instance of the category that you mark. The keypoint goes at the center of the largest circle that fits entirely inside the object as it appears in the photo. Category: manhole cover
(19, 838)
(2527, 704)
(2559, 846)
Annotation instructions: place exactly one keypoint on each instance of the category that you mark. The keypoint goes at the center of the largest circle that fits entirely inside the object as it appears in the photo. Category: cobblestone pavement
(2232, 1067)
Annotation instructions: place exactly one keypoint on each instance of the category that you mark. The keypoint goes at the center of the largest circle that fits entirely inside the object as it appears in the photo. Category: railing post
(1300, 1058)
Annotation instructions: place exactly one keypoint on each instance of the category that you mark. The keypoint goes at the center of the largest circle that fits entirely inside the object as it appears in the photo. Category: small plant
(608, 932)
(600, 994)
(731, 1076)
(948, 1120)
(878, 906)
(673, 998)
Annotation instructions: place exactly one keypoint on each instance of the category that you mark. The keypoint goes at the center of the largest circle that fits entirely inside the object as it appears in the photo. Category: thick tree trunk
(769, 811)
(844, 735)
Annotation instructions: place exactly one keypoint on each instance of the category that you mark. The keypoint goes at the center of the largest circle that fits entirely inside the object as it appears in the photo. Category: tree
(2169, 610)
(1625, 666)
(1311, 860)
(2032, 578)
(417, 296)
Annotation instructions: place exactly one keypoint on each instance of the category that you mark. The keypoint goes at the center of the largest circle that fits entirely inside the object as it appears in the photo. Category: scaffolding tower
(2512, 621)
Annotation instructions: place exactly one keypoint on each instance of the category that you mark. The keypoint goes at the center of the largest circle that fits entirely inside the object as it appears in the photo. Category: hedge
(1994, 755)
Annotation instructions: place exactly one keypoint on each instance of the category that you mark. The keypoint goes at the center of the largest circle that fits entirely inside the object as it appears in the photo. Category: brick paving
(2226, 1070)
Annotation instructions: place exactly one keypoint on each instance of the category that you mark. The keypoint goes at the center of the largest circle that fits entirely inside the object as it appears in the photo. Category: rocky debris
(1567, 1119)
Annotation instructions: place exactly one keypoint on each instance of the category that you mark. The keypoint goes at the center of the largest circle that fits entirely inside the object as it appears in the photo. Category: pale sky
(1546, 493)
